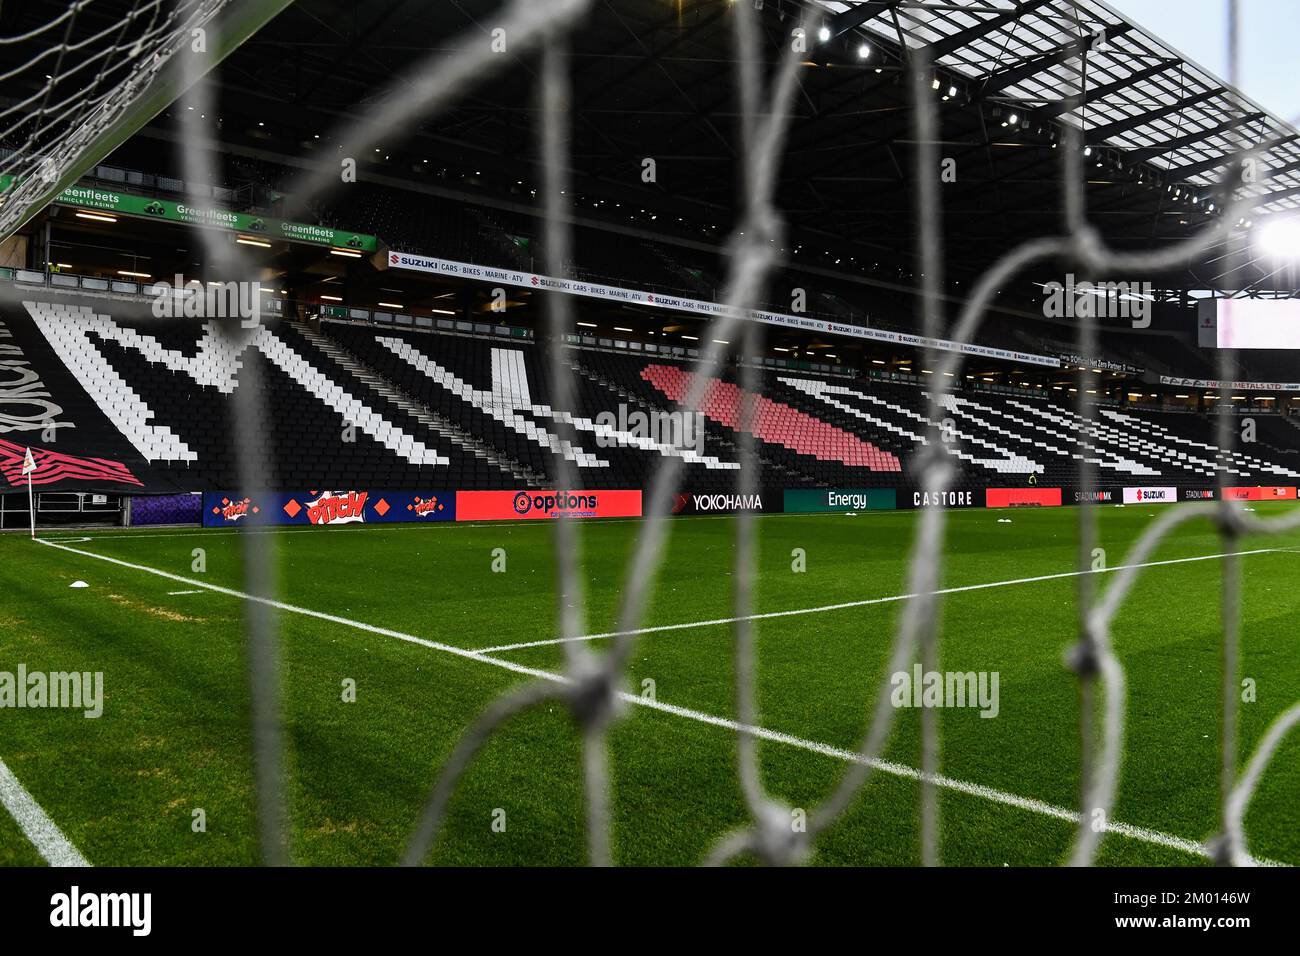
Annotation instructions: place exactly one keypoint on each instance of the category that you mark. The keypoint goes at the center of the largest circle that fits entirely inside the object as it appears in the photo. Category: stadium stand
(352, 404)
(462, 228)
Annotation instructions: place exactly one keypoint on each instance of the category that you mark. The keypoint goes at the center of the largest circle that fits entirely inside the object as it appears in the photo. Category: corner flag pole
(29, 467)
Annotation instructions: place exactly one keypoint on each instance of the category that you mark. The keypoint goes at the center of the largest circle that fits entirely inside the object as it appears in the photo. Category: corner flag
(29, 466)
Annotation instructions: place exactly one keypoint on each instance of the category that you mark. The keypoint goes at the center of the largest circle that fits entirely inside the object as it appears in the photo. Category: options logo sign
(549, 502)
(510, 505)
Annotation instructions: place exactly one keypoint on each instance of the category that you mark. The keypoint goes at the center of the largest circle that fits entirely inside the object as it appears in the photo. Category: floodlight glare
(1279, 239)
(824, 34)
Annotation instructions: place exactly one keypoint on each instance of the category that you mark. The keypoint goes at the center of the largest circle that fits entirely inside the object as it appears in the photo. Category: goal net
(87, 79)
(105, 77)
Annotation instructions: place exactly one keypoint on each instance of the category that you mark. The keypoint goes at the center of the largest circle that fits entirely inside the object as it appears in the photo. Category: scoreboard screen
(1250, 323)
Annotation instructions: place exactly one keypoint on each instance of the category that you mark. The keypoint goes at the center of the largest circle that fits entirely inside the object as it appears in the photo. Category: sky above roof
(1198, 30)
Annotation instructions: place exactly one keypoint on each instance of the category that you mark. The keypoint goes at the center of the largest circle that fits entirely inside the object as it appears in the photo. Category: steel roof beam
(856, 16)
(1149, 152)
(1062, 106)
(1275, 196)
(1214, 162)
(996, 82)
(950, 44)
(1290, 167)
(1100, 134)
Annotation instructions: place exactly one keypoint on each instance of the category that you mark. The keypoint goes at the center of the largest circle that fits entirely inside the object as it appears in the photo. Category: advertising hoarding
(224, 509)
(1022, 498)
(529, 504)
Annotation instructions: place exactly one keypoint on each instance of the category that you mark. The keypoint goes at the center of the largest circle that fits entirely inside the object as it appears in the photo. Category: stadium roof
(1131, 91)
(655, 78)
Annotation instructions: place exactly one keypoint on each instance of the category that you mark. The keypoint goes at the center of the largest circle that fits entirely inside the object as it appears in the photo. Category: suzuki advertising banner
(1022, 498)
(514, 505)
(1150, 496)
(224, 509)
(592, 290)
(840, 499)
(703, 503)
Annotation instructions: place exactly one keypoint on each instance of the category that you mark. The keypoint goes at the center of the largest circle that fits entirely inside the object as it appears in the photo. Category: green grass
(175, 734)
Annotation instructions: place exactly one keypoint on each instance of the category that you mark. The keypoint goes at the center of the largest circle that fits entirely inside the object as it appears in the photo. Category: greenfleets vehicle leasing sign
(105, 200)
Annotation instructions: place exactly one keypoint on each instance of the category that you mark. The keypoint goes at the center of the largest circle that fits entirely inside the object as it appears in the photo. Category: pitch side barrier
(378, 506)
(362, 506)
(228, 509)
(1025, 496)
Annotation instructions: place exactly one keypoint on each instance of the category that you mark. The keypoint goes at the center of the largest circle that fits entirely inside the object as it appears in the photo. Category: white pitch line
(306, 612)
(54, 847)
(174, 593)
(532, 523)
(416, 526)
(865, 602)
(895, 769)
(960, 786)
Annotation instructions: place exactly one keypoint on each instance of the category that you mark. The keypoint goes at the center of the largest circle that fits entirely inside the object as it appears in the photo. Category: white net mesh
(92, 75)
(590, 682)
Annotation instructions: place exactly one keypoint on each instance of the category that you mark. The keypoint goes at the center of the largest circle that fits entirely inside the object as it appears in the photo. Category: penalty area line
(55, 848)
(865, 602)
(903, 771)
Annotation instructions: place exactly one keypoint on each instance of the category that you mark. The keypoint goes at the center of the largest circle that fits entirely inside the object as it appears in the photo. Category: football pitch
(391, 611)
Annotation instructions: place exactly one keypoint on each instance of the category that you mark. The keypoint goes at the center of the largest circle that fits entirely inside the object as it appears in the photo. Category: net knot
(1229, 520)
(1083, 658)
(936, 465)
(591, 695)
(1089, 249)
(1220, 850)
(761, 235)
(781, 837)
